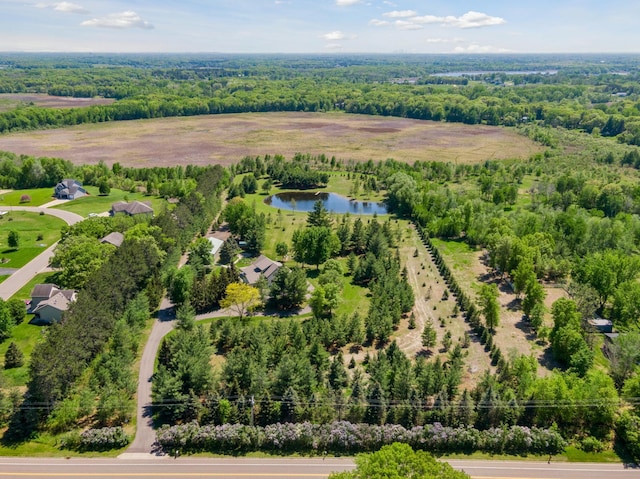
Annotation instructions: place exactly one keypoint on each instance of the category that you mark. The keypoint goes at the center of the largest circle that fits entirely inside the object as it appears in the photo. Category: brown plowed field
(9, 101)
(225, 139)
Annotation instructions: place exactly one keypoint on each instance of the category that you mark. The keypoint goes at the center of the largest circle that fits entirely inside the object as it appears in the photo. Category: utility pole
(252, 402)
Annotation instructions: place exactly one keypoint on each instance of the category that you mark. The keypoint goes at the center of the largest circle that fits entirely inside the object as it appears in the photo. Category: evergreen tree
(228, 251)
(319, 216)
(13, 358)
(337, 374)
(429, 335)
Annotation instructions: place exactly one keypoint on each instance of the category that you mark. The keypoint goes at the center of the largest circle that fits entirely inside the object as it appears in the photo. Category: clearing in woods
(225, 139)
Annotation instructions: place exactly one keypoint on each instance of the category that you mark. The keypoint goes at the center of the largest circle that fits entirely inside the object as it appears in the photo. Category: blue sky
(320, 26)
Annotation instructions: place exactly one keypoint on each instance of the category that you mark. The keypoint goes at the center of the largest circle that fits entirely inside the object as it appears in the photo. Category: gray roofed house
(69, 189)
(48, 302)
(132, 208)
(262, 266)
(115, 238)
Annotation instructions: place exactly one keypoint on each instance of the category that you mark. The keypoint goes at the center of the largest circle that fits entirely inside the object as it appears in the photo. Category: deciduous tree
(241, 297)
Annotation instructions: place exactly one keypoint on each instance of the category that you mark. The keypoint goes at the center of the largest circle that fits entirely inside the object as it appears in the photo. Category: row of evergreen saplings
(465, 304)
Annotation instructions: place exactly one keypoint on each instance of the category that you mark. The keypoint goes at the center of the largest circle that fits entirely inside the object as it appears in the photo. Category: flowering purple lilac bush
(345, 437)
(103, 439)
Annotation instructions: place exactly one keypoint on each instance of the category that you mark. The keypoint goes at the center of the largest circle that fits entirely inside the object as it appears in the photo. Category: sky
(321, 26)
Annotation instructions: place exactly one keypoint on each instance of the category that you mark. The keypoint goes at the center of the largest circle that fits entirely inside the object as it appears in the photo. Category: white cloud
(65, 7)
(437, 40)
(391, 4)
(126, 19)
(470, 19)
(407, 25)
(335, 35)
(378, 23)
(346, 3)
(400, 14)
(473, 19)
(475, 48)
(333, 46)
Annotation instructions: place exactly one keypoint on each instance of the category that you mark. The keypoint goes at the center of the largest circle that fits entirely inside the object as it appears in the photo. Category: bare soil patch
(514, 334)
(225, 139)
(12, 100)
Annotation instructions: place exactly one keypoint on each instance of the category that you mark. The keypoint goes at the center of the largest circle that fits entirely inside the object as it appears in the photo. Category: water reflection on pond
(304, 200)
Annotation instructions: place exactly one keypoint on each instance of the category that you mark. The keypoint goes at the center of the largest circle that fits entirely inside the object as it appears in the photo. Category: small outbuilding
(216, 244)
(601, 325)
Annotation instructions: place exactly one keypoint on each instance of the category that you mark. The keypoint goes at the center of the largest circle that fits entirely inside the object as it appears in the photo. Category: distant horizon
(329, 54)
(317, 26)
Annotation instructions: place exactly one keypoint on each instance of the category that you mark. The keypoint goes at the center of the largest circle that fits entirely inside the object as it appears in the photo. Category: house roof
(261, 266)
(216, 244)
(133, 208)
(44, 290)
(59, 301)
(115, 238)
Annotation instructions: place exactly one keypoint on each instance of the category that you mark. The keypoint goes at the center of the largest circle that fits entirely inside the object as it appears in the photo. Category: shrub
(591, 444)
(25, 199)
(628, 430)
(342, 436)
(103, 439)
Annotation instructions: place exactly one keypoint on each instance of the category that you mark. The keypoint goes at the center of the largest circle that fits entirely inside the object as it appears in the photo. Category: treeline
(607, 108)
(101, 328)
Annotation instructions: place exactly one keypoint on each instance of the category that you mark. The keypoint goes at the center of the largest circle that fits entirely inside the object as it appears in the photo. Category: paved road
(22, 276)
(136, 467)
(145, 433)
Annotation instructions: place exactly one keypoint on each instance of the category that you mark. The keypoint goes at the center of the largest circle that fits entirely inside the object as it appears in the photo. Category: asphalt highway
(132, 466)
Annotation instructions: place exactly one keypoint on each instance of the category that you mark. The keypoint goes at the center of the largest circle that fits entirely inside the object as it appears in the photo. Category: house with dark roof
(69, 190)
(262, 266)
(49, 302)
(132, 208)
(116, 238)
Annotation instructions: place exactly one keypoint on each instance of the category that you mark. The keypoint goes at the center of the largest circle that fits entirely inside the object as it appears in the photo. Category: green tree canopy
(78, 258)
(241, 297)
(399, 461)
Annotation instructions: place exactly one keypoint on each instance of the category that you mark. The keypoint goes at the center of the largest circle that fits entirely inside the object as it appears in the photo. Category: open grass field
(225, 139)
(95, 203)
(29, 227)
(39, 196)
(513, 334)
(9, 101)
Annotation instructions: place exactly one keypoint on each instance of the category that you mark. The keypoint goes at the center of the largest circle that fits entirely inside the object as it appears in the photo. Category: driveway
(41, 262)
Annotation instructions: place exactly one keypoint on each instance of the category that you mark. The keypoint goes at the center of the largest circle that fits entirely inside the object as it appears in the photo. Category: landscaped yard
(36, 232)
(25, 335)
(96, 203)
(39, 196)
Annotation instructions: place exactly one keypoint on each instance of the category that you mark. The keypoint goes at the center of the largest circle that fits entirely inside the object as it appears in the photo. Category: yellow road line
(157, 474)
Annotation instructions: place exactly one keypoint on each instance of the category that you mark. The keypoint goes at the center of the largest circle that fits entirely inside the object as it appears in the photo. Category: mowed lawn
(37, 232)
(25, 335)
(39, 196)
(281, 224)
(96, 203)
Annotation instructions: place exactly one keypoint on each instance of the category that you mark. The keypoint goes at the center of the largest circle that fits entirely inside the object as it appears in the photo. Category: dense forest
(565, 219)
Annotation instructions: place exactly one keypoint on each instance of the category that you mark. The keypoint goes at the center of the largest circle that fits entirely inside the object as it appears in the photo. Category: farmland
(224, 139)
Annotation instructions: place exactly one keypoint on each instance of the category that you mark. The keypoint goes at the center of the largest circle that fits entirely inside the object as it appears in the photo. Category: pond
(333, 202)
